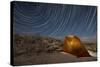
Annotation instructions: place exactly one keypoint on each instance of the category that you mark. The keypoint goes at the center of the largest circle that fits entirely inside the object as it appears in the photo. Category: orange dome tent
(72, 44)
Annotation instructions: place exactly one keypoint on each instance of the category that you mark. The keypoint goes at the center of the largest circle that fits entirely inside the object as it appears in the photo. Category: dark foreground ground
(49, 58)
(35, 49)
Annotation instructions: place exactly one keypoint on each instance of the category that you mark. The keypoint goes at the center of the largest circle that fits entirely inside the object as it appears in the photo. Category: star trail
(56, 20)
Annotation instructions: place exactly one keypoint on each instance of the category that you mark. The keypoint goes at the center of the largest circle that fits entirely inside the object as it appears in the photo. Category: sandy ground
(49, 58)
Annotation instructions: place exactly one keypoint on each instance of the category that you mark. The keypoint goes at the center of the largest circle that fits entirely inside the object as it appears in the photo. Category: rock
(73, 45)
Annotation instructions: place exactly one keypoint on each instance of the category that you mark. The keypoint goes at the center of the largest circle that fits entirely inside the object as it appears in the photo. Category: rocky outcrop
(73, 45)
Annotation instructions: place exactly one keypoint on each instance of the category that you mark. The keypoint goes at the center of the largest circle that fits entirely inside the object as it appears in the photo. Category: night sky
(54, 20)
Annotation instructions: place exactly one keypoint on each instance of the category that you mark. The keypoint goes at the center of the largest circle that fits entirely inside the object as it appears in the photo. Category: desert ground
(35, 49)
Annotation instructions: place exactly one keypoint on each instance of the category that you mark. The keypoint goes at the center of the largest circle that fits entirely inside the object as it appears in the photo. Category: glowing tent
(72, 44)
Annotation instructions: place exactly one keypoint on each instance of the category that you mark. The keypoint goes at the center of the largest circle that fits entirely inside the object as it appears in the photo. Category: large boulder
(73, 45)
